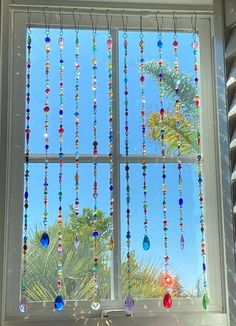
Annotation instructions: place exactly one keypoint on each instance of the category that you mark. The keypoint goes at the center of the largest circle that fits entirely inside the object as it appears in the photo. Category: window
(153, 304)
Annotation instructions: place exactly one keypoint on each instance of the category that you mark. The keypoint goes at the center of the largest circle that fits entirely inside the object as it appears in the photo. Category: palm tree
(77, 274)
(189, 117)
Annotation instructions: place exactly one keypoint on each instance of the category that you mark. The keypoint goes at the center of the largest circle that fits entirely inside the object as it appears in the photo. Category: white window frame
(186, 310)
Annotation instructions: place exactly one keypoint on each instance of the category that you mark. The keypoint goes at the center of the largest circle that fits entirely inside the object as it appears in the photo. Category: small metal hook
(175, 22)
(141, 23)
(125, 23)
(94, 25)
(61, 19)
(108, 23)
(76, 22)
(29, 17)
(194, 22)
(47, 24)
(159, 26)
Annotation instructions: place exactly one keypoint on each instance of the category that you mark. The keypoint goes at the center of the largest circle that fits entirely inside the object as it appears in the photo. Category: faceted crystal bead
(23, 305)
(160, 44)
(44, 240)
(167, 301)
(59, 303)
(182, 241)
(146, 242)
(95, 305)
(76, 242)
(109, 44)
(194, 45)
(205, 301)
(129, 302)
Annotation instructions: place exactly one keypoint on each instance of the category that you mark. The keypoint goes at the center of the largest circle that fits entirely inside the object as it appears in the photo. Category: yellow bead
(111, 243)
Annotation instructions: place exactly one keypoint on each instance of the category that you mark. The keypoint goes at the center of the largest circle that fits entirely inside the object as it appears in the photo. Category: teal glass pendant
(146, 242)
(59, 303)
(23, 305)
(44, 240)
(205, 301)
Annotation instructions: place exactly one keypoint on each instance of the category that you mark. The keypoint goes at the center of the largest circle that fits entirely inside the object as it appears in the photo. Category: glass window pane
(77, 264)
(147, 266)
(85, 103)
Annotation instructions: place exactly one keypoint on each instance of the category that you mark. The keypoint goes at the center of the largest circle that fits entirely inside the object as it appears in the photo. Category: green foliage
(189, 115)
(77, 274)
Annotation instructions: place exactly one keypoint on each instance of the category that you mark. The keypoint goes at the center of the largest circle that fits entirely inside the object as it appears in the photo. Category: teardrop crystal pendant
(111, 243)
(44, 240)
(182, 241)
(129, 302)
(95, 305)
(205, 301)
(23, 305)
(146, 242)
(167, 301)
(76, 242)
(59, 303)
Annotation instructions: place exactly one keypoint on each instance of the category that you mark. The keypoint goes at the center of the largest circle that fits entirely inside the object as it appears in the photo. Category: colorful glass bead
(129, 303)
(146, 243)
(44, 240)
(95, 305)
(59, 303)
(167, 301)
(111, 243)
(205, 301)
(23, 305)
(182, 241)
(160, 44)
(109, 44)
(194, 44)
(76, 242)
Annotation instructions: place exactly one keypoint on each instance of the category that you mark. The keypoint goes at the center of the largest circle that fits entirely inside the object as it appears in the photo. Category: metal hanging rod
(100, 10)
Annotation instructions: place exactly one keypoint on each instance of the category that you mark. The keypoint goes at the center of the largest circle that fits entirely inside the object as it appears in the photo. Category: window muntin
(213, 251)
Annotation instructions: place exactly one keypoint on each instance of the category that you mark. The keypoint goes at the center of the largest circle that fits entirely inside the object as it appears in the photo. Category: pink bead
(109, 44)
(175, 43)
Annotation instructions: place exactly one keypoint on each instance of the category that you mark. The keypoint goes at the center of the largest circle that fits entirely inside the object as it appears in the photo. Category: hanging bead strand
(44, 240)
(129, 302)
(146, 241)
(205, 300)
(59, 302)
(95, 305)
(178, 139)
(23, 300)
(167, 300)
(77, 97)
(110, 94)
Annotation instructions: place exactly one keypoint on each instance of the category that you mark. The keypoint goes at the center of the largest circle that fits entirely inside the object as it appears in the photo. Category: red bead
(175, 43)
(162, 111)
(167, 301)
(25, 247)
(46, 109)
(142, 79)
(61, 130)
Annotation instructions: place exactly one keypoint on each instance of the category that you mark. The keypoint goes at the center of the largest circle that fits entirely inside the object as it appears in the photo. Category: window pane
(77, 264)
(151, 89)
(85, 104)
(147, 266)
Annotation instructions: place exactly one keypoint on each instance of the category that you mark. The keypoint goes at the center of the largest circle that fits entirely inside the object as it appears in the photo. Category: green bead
(205, 301)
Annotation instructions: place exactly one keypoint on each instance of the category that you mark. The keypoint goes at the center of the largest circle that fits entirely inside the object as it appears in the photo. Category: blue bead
(181, 201)
(47, 39)
(128, 236)
(146, 242)
(160, 75)
(160, 44)
(59, 303)
(204, 267)
(46, 146)
(26, 194)
(95, 234)
(44, 240)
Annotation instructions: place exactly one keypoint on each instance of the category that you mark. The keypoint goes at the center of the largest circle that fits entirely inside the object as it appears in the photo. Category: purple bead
(182, 242)
(129, 302)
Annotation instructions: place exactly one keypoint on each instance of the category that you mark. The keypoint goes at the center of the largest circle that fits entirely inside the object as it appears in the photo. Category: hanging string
(167, 300)
(59, 302)
(23, 299)
(110, 95)
(146, 241)
(195, 47)
(129, 302)
(77, 97)
(45, 240)
(178, 137)
(95, 305)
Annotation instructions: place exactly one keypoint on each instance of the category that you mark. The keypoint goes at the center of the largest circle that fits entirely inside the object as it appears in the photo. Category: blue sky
(187, 263)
